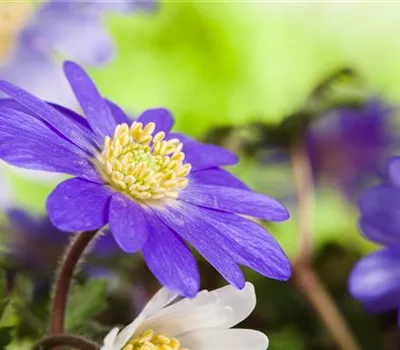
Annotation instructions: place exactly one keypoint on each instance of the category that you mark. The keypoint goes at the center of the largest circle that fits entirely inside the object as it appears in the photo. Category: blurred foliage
(262, 67)
(281, 311)
(86, 302)
(217, 63)
(8, 318)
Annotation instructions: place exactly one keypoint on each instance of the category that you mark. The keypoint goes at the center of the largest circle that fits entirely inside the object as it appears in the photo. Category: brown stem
(303, 180)
(70, 340)
(303, 273)
(63, 282)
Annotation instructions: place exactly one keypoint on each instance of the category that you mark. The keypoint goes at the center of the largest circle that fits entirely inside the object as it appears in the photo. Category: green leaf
(6, 335)
(86, 302)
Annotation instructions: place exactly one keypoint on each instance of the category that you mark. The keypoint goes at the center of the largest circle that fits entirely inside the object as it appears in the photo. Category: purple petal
(127, 6)
(380, 209)
(161, 117)
(79, 205)
(235, 201)
(384, 304)
(37, 73)
(29, 143)
(75, 117)
(170, 260)
(372, 199)
(376, 279)
(374, 228)
(216, 176)
(199, 233)
(93, 105)
(55, 28)
(249, 243)
(393, 170)
(203, 156)
(119, 115)
(72, 131)
(128, 223)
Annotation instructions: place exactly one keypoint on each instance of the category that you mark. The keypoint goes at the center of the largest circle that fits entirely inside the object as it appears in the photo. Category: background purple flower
(36, 247)
(71, 29)
(375, 279)
(347, 146)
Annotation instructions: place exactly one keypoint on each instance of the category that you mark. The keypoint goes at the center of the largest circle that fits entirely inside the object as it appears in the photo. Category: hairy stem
(63, 281)
(69, 340)
(303, 273)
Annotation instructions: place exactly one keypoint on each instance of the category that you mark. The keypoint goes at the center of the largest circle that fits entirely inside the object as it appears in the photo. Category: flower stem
(66, 272)
(70, 340)
(303, 273)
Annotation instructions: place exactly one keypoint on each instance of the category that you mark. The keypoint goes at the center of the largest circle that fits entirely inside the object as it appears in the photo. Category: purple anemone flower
(157, 190)
(347, 146)
(59, 28)
(375, 279)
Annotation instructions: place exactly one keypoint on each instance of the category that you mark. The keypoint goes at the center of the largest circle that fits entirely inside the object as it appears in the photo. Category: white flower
(202, 323)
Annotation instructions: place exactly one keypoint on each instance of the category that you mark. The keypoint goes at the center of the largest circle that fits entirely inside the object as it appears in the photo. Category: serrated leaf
(86, 302)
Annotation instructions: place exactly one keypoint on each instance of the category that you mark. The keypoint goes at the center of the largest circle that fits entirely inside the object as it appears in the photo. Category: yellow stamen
(142, 165)
(150, 341)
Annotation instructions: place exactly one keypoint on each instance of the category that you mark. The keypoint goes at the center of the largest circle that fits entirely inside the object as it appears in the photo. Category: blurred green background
(222, 64)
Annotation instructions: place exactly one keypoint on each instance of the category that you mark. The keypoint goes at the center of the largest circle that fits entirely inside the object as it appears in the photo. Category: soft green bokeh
(223, 62)
(28, 192)
(217, 63)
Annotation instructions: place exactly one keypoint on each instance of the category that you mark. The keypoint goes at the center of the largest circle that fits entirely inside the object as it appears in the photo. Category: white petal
(225, 339)
(191, 319)
(242, 302)
(127, 333)
(156, 303)
(204, 297)
(109, 340)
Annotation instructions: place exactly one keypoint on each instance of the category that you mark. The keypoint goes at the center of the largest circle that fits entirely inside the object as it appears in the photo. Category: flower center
(150, 341)
(142, 165)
